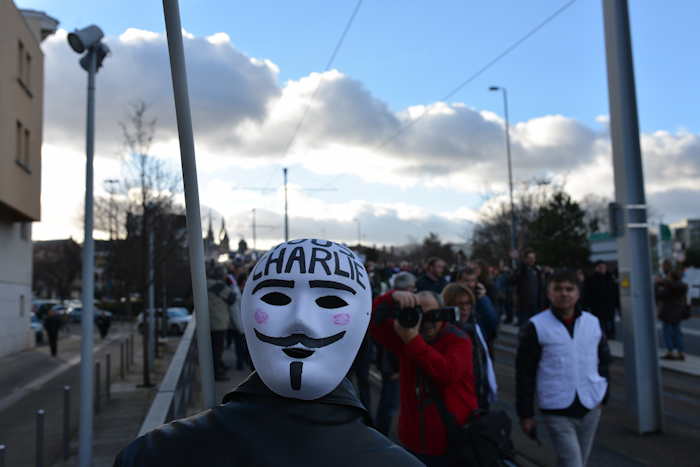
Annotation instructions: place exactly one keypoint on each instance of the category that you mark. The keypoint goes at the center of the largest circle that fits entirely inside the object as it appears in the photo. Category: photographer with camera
(436, 369)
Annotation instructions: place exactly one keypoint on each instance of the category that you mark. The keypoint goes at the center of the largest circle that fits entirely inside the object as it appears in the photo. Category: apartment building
(21, 106)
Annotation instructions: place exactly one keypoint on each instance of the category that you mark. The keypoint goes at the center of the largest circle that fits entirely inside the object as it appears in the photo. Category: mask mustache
(302, 339)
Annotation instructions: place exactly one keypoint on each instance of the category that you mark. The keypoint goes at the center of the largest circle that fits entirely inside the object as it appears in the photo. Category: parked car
(176, 319)
(38, 328)
(74, 314)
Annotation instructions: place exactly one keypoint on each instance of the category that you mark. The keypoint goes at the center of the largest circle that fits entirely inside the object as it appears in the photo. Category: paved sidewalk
(120, 417)
(34, 380)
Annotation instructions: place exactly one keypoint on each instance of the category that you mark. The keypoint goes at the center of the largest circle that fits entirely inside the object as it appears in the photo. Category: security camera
(101, 51)
(82, 39)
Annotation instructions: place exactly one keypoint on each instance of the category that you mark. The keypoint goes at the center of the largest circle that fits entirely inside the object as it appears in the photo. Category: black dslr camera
(408, 317)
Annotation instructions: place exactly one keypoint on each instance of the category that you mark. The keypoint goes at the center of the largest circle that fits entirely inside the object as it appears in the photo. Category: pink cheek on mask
(261, 317)
(341, 319)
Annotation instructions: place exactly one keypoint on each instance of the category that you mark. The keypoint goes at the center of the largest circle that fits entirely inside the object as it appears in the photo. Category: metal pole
(66, 422)
(97, 387)
(40, 414)
(108, 376)
(88, 276)
(513, 231)
(189, 175)
(642, 377)
(254, 245)
(286, 215)
(146, 383)
(121, 360)
(151, 293)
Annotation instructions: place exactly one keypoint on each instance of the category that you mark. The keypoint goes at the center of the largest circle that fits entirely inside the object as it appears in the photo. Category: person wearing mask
(484, 375)
(671, 295)
(432, 279)
(562, 361)
(304, 318)
(436, 365)
(602, 298)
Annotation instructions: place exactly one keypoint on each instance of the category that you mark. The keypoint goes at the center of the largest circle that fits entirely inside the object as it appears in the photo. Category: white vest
(568, 366)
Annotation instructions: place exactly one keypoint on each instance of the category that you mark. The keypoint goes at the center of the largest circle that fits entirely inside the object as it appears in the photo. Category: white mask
(305, 310)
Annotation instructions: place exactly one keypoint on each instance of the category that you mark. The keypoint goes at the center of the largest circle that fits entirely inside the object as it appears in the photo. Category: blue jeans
(388, 404)
(673, 337)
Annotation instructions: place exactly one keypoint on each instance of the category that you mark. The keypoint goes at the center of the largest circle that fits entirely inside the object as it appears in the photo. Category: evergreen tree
(559, 234)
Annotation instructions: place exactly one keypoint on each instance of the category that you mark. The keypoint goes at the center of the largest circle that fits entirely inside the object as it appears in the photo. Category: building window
(20, 60)
(27, 70)
(24, 68)
(26, 148)
(18, 142)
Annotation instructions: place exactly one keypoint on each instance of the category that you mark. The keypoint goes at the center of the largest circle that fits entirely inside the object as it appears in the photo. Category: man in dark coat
(52, 324)
(433, 279)
(305, 310)
(601, 297)
(530, 287)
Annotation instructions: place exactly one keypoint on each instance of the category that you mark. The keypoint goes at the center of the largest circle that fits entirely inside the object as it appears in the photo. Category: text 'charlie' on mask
(305, 310)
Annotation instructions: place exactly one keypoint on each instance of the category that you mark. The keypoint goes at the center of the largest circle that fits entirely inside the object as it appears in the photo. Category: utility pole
(286, 208)
(642, 376)
(286, 202)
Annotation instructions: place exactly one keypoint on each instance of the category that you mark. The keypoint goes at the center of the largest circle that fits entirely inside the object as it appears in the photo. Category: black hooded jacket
(256, 427)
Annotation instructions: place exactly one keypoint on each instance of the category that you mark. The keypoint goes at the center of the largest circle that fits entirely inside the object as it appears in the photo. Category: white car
(177, 319)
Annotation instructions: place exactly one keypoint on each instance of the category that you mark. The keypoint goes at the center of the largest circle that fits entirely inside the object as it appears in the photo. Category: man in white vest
(562, 362)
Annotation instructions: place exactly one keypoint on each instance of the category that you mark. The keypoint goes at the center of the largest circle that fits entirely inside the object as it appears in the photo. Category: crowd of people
(431, 338)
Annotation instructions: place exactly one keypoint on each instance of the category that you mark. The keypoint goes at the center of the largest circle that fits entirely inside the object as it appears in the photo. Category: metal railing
(177, 390)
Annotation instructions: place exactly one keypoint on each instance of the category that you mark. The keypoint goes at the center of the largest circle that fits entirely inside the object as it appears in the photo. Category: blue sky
(405, 54)
(414, 53)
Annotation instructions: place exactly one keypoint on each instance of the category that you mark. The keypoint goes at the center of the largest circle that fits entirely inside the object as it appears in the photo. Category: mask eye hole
(331, 302)
(276, 298)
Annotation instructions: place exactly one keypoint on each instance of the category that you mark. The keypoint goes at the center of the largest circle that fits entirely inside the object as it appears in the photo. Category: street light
(88, 39)
(513, 243)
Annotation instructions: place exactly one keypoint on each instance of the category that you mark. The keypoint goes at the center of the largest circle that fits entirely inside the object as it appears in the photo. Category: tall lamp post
(513, 232)
(88, 40)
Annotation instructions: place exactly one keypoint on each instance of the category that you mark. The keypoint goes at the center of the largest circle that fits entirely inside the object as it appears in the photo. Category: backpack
(483, 441)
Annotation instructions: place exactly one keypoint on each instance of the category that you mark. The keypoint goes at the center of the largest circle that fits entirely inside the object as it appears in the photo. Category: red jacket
(447, 362)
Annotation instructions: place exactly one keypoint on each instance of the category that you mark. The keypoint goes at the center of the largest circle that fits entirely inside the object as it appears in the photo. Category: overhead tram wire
(472, 77)
(334, 54)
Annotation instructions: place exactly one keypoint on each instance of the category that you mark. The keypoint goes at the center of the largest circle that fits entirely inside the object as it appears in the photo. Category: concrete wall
(15, 288)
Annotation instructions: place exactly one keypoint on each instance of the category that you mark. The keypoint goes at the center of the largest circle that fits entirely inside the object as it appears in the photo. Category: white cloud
(244, 118)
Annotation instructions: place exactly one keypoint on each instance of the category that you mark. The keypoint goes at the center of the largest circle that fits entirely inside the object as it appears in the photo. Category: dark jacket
(443, 365)
(527, 361)
(530, 284)
(256, 427)
(426, 283)
(601, 296)
(671, 299)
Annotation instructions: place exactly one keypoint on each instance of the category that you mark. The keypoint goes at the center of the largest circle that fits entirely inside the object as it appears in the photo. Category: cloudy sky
(389, 152)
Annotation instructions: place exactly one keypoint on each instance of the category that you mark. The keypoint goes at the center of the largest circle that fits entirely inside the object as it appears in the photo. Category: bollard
(66, 422)
(121, 360)
(97, 387)
(127, 355)
(108, 377)
(40, 438)
(133, 358)
(2, 455)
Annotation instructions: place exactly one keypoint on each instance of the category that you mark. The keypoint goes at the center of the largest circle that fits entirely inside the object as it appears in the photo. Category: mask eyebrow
(332, 285)
(273, 283)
